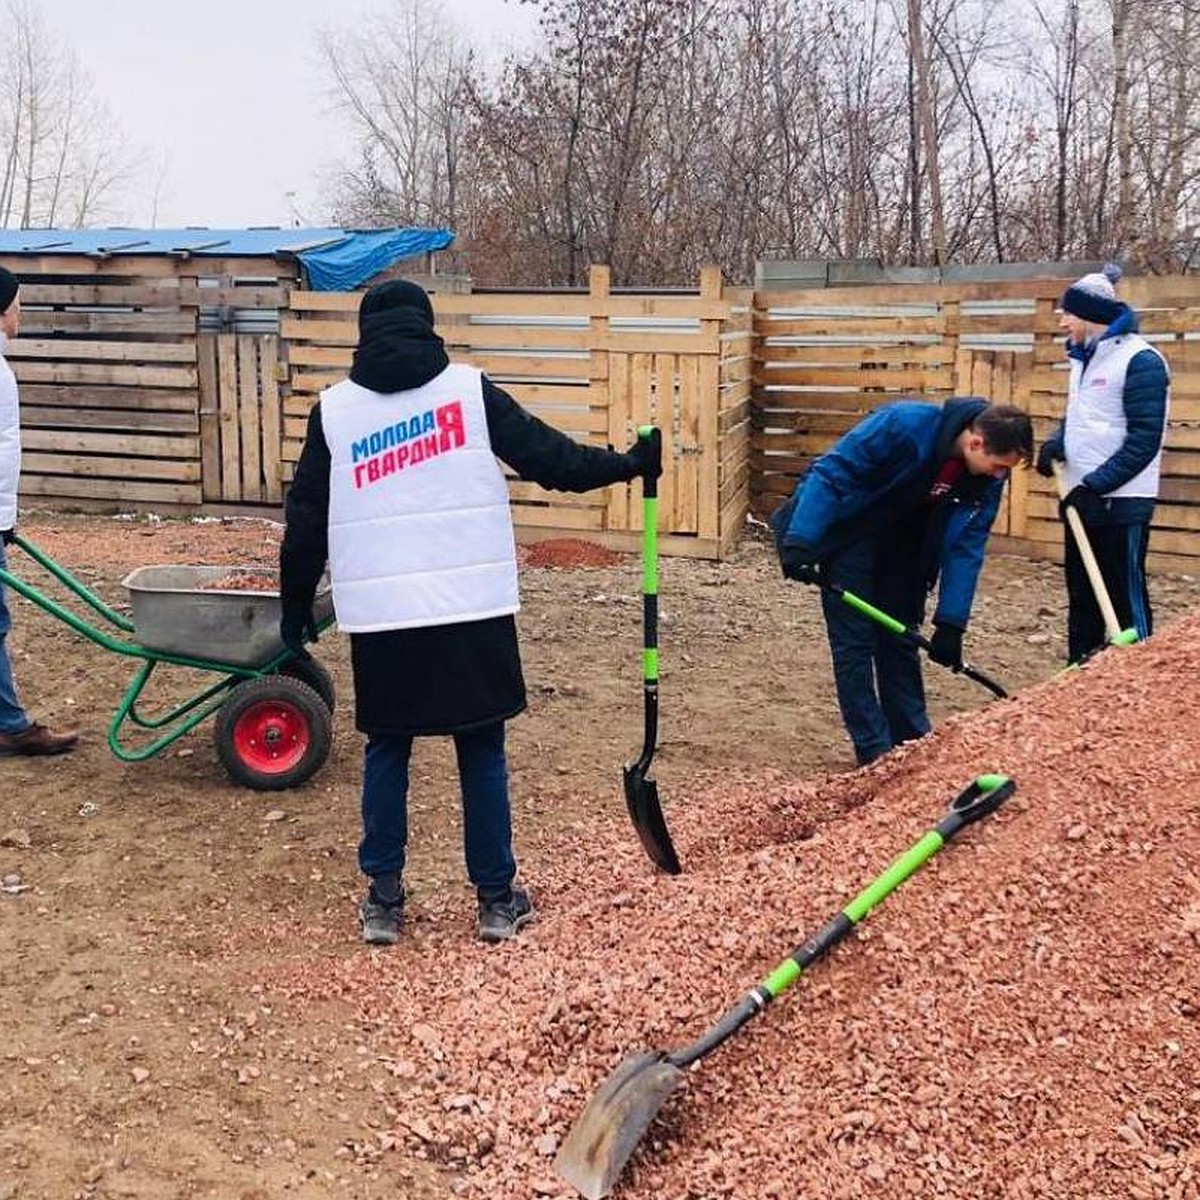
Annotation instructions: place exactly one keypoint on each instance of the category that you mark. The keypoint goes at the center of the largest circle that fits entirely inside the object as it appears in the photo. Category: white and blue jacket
(1111, 437)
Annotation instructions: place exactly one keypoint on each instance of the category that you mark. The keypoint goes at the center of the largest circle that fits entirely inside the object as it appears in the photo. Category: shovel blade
(641, 797)
(607, 1132)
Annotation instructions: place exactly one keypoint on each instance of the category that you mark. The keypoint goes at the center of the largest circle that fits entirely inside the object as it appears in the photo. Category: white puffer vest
(10, 442)
(1096, 428)
(419, 525)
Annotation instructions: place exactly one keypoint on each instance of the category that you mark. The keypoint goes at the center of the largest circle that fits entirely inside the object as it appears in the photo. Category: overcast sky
(229, 96)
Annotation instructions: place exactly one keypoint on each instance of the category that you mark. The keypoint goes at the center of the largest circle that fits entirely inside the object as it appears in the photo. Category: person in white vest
(1111, 443)
(18, 733)
(398, 488)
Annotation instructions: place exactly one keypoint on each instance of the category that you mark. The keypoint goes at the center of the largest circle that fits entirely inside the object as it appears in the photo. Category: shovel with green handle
(779, 524)
(595, 1151)
(908, 634)
(641, 792)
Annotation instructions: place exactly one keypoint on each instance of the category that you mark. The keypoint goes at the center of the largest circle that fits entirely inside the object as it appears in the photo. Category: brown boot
(37, 739)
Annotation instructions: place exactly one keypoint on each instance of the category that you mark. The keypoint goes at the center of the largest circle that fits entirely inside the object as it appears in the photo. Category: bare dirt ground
(187, 1011)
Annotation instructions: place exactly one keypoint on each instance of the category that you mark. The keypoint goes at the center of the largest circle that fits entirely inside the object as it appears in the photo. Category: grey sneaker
(502, 919)
(380, 922)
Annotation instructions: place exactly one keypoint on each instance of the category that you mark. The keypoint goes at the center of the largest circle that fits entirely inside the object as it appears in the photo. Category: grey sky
(227, 99)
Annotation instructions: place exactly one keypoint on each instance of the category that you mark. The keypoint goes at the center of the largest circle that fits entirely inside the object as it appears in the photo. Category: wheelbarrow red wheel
(273, 733)
(309, 671)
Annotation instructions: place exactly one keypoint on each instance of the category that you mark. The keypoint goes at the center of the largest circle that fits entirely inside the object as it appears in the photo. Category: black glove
(1088, 504)
(294, 628)
(1046, 456)
(798, 563)
(645, 456)
(7, 536)
(945, 646)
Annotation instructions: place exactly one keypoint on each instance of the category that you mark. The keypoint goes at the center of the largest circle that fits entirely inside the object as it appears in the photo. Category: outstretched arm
(539, 452)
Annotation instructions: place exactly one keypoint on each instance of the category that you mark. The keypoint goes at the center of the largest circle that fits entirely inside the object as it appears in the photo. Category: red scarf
(950, 473)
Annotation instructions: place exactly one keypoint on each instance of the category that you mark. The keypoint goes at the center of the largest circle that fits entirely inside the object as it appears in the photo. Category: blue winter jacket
(877, 476)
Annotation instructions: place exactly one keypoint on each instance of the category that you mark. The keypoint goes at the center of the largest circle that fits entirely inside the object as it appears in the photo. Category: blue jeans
(877, 674)
(13, 717)
(487, 818)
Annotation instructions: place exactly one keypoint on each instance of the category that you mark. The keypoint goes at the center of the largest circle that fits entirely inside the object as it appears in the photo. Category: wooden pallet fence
(241, 422)
(735, 383)
(595, 365)
(825, 358)
(109, 388)
(121, 400)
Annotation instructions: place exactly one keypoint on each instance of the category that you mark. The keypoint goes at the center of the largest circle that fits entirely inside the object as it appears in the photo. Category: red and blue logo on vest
(408, 443)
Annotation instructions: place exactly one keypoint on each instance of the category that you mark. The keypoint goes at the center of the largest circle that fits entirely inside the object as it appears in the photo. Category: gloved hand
(1046, 456)
(7, 535)
(1088, 504)
(645, 456)
(945, 647)
(294, 627)
(798, 563)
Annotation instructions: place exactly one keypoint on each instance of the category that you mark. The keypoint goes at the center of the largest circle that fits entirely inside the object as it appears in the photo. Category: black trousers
(1120, 551)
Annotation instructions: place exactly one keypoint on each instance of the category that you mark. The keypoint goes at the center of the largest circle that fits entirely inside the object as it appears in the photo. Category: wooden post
(708, 451)
(1018, 484)
(607, 387)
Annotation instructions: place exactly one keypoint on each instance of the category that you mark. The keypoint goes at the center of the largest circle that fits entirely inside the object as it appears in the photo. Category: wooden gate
(240, 421)
(667, 390)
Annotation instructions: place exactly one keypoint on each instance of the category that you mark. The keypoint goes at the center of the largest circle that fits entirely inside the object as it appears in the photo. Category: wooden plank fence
(121, 397)
(596, 365)
(241, 424)
(824, 358)
(109, 393)
(127, 402)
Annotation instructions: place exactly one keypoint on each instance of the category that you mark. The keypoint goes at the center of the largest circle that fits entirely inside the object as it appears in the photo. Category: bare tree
(655, 135)
(927, 124)
(64, 160)
(1122, 14)
(399, 80)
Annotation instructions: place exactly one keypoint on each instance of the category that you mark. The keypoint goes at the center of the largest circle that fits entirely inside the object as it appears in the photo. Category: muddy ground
(155, 915)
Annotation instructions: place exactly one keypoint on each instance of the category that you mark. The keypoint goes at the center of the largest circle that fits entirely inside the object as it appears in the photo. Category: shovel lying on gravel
(600, 1143)
(1112, 627)
(641, 793)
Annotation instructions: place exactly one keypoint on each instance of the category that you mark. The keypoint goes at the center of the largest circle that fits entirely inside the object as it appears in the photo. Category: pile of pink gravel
(1021, 1019)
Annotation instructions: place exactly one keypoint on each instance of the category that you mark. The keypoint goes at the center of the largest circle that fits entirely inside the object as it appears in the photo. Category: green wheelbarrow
(274, 708)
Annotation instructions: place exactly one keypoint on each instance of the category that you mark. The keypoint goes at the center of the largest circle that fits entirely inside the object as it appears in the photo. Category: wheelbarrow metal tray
(177, 611)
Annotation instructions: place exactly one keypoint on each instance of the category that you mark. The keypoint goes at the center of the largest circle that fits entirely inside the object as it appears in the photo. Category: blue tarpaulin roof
(333, 259)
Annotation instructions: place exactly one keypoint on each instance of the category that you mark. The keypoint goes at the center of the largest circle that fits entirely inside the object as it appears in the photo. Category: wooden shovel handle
(1112, 627)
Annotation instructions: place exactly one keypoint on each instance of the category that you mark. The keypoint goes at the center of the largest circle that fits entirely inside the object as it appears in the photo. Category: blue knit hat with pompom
(1092, 298)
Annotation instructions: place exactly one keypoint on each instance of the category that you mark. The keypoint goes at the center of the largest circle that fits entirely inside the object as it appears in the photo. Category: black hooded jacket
(438, 679)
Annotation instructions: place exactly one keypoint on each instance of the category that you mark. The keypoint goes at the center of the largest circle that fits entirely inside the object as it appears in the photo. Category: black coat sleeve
(305, 544)
(539, 452)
